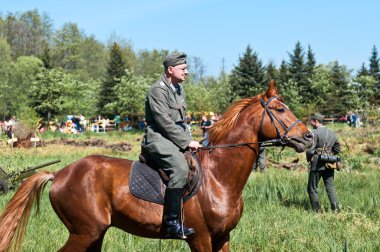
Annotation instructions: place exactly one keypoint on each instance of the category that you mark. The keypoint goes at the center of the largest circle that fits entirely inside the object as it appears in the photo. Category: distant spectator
(205, 125)
(260, 160)
(188, 124)
(76, 124)
(82, 122)
(69, 117)
(348, 119)
(354, 120)
(142, 123)
(117, 121)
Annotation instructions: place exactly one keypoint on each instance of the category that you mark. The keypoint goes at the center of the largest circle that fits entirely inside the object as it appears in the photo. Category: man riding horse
(166, 138)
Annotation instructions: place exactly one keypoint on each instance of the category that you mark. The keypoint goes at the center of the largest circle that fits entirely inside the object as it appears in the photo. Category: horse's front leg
(222, 244)
(200, 243)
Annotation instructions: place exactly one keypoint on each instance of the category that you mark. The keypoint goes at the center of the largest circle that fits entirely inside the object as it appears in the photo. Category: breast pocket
(174, 111)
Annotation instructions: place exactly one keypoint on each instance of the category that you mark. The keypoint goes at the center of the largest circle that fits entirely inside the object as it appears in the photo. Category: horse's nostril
(309, 136)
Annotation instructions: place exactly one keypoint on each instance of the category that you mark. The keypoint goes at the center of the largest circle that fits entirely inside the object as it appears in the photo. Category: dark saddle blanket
(148, 182)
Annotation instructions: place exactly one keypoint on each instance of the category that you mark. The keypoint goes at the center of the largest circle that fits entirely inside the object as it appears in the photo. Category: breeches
(328, 179)
(168, 156)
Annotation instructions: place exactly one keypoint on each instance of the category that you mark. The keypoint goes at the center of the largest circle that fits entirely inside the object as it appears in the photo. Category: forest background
(49, 73)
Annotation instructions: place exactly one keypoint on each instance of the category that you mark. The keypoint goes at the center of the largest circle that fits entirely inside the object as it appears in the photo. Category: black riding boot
(335, 207)
(316, 206)
(173, 226)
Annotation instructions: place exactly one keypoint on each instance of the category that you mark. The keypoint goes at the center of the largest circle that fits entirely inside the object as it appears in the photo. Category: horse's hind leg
(84, 242)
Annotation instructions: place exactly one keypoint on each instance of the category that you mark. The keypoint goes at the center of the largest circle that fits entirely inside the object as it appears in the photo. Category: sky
(219, 31)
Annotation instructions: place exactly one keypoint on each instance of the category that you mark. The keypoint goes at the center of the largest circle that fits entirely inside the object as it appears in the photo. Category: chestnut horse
(92, 194)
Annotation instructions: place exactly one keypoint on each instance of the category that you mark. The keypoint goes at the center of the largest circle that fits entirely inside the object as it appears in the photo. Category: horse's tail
(16, 213)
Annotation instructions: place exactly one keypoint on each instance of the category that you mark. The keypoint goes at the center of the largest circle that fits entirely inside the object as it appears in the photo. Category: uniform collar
(175, 88)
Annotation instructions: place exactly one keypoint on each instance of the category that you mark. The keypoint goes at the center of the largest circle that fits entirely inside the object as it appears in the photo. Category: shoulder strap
(324, 142)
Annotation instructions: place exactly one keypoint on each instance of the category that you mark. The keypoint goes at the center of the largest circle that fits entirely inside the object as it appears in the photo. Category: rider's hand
(194, 145)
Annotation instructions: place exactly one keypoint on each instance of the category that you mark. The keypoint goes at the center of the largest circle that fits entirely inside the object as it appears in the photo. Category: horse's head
(271, 120)
(279, 122)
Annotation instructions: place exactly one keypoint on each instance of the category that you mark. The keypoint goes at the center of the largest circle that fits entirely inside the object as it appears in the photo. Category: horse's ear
(272, 90)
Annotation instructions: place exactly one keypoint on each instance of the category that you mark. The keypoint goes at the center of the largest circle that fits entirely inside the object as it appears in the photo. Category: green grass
(277, 215)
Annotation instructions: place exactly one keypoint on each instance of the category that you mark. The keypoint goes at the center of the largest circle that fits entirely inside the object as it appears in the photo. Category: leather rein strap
(281, 140)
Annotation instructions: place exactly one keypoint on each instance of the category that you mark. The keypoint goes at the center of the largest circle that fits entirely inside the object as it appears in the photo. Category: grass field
(276, 217)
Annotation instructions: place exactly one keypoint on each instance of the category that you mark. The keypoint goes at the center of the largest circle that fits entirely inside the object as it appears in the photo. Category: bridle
(281, 139)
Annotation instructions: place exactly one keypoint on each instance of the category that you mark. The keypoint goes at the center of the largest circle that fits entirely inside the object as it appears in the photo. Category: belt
(179, 124)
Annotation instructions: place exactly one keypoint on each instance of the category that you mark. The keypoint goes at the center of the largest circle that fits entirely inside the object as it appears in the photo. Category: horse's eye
(280, 110)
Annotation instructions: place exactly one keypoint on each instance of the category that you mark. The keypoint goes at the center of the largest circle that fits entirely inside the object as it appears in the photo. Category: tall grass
(277, 215)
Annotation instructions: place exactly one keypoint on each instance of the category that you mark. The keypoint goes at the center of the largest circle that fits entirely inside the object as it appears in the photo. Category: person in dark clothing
(205, 125)
(325, 143)
(166, 138)
(260, 160)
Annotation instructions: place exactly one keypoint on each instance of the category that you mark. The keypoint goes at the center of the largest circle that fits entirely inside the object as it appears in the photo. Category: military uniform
(166, 135)
(325, 142)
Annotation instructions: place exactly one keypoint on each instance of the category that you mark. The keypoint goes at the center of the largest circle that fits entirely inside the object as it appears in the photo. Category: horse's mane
(228, 121)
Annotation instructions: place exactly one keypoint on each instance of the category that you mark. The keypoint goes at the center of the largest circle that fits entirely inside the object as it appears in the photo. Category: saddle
(148, 182)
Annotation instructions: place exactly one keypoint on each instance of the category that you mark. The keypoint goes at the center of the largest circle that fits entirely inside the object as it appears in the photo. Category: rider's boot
(173, 227)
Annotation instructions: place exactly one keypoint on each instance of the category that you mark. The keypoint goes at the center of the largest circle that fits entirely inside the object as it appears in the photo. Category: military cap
(317, 117)
(174, 59)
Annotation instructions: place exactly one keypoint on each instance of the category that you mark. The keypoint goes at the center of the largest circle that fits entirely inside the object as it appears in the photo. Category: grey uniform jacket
(326, 140)
(165, 112)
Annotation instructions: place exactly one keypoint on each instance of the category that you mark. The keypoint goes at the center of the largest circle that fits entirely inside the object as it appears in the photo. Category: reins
(281, 141)
(268, 143)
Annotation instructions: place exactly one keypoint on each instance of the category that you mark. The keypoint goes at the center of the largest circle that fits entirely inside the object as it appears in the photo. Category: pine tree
(115, 70)
(271, 73)
(247, 79)
(297, 72)
(283, 76)
(343, 96)
(374, 70)
(363, 71)
(310, 63)
(46, 59)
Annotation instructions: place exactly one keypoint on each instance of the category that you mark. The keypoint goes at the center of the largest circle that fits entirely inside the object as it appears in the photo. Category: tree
(271, 73)
(198, 98)
(6, 93)
(93, 57)
(297, 72)
(374, 71)
(247, 79)
(55, 93)
(220, 93)
(321, 88)
(46, 58)
(115, 70)
(363, 71)
(365, 88)
(374, 68)
(283, 76)
(27, 33)
(342, 97)
(25, 70)
(67, 46)
(197, 68)
(310, 63)
(150, 62)
(47, 93)
(36, 31)
(131, 92)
